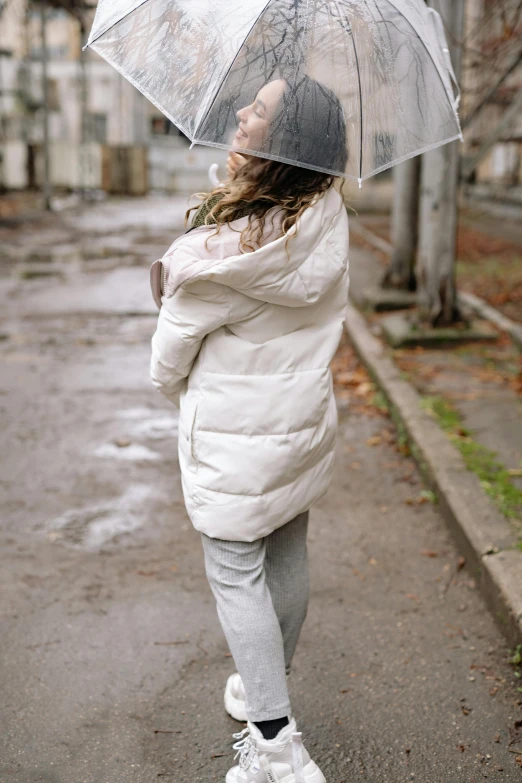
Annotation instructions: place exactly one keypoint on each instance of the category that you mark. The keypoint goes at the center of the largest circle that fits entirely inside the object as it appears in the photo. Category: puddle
(157, 429)
(90, 528)
(138, 413)
(141, 424)
(132, 453)
(149, 423)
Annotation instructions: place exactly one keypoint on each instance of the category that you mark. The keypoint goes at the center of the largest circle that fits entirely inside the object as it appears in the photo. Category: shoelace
(245, 747)
(246, 750)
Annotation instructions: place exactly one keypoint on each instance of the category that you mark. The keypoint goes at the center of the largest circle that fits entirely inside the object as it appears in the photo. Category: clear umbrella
(349, 87)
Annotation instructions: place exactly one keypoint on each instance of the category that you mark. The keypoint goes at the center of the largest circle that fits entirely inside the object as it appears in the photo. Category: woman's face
(254, 120)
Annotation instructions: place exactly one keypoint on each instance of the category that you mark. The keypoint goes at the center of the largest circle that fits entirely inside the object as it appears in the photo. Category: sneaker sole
(312, 774)
(235, 708)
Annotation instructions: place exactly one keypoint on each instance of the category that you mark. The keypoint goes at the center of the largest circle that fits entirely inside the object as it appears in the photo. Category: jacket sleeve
(184, 321)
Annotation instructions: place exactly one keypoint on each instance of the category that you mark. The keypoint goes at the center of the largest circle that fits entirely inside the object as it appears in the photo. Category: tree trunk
(45, 97)
(405, 217)
(439, 202)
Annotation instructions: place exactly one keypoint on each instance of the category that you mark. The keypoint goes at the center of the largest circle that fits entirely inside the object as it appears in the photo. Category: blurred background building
(103, 134)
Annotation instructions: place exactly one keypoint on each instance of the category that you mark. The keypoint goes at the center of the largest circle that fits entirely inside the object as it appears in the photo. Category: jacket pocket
(193, 433)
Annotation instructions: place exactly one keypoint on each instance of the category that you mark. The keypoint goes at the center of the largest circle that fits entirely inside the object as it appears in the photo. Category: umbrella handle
(213, 175)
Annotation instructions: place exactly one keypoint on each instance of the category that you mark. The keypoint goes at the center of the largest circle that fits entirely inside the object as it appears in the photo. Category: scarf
(199, 217)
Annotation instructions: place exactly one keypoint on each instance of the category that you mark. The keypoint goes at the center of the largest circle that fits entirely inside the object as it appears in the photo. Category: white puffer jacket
(243, 345)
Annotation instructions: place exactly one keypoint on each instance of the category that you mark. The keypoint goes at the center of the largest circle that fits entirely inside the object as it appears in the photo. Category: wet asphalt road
(112, 659)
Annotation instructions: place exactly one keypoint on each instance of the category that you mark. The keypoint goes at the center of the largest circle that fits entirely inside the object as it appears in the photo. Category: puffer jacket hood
(284, 271)
(243, 347)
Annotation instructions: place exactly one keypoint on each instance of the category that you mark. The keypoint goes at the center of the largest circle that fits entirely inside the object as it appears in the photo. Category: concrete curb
(483, 535)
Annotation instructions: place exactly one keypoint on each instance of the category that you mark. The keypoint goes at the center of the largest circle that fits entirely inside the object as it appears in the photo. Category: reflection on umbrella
(354, 86)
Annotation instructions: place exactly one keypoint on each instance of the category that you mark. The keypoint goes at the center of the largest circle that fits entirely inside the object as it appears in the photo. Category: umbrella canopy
(349, 87)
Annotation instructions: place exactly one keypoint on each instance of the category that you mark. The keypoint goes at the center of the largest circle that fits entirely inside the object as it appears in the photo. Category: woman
(251, 315)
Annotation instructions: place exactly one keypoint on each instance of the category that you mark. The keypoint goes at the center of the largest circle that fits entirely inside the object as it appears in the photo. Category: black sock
(271, 728)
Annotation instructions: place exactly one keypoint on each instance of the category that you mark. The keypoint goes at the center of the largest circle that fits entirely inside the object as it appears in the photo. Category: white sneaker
(235, 698)
(283, 759)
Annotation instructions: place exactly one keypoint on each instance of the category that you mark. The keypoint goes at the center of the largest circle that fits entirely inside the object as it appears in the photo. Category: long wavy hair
(262, 184)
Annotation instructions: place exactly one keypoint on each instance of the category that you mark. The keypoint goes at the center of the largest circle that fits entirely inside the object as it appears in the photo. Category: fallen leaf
(515, 732)
(346, 377)
(374, 441)
(363, 389)
(429, 553)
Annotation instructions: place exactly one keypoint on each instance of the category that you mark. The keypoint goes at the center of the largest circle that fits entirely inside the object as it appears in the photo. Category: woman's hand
(234, 162)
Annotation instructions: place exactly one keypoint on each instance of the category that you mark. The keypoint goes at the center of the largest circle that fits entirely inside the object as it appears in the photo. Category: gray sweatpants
(261, 590)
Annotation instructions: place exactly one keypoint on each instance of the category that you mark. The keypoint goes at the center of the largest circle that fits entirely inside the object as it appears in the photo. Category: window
(96, 127)
(161, 126)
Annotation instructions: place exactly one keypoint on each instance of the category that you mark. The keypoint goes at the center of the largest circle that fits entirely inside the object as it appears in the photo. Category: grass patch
(494, 478)
(429, 496)
(516, 661)
(380, 402)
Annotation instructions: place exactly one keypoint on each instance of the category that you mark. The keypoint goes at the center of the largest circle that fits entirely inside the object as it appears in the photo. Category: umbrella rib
(256, 20)
(103, 32)
(361, 107)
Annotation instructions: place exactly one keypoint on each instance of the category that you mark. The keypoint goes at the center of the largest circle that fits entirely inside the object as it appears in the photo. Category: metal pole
(84, 135)
(45, 94)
